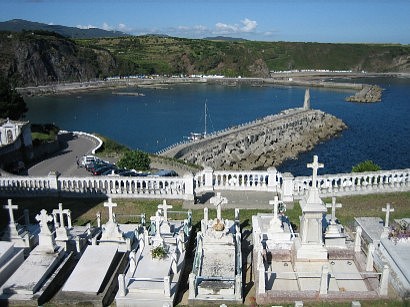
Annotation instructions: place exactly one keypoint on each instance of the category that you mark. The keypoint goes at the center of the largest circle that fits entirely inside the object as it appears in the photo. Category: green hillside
(41, 57)
(169, 55)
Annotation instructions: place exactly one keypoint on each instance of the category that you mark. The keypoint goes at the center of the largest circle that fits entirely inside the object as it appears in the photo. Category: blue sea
(378, 131)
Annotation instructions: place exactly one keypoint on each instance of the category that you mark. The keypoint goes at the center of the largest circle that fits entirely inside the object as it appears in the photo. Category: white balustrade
(207, 180)
(356, 183)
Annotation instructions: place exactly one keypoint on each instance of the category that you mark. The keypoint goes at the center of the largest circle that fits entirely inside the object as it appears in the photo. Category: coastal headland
(262, 143)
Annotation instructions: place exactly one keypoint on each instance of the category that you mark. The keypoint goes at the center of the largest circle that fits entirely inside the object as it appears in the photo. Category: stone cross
(60, 212)
(334, 205)
(275, 204)
(165, 208)
(43, 218)
(218, 201)
(388, 209)
(110, 205)
(315, 166)
(11, 207)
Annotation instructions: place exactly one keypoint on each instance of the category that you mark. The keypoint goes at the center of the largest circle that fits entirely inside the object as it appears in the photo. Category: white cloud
(106, 26)
(86, 27)
(246, 27)
(249, 25)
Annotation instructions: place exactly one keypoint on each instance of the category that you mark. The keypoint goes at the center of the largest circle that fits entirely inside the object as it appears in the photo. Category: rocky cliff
(34, 59)
(264, 143)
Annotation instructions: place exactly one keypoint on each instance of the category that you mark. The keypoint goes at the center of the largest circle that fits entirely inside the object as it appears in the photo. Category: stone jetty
(263, 143)
(368, 94)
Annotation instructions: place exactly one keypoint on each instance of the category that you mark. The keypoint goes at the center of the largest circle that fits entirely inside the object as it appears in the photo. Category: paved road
(65, 161)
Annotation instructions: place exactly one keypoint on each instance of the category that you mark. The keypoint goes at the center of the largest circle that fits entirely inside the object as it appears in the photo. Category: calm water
(379, 132)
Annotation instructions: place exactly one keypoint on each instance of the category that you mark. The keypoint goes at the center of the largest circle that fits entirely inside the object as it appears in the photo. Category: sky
(352, 21)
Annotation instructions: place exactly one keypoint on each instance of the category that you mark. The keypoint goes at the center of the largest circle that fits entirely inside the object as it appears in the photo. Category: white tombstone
(46, 239)
(313, 209)
(218, 201)
(388, 209)
(369, 260)
(62, 233)
(157, 240)
(165, 225)
(164, 207)
(333, 205)
(358, 240)
(334, 237)
(315, 165)
(10, 207)
(275, 225)
(111, 230)
(18, 235)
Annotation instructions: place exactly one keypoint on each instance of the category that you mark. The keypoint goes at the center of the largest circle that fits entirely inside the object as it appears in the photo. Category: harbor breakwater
(263, 143)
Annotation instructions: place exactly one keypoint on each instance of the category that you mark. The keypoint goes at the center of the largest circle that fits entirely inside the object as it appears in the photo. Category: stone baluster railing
(355, 183)
(208, 180)
(186, 187)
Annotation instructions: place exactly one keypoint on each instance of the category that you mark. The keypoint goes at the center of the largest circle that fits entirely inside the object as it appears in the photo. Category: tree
(12, 104)
(135, 159)
(366, 166)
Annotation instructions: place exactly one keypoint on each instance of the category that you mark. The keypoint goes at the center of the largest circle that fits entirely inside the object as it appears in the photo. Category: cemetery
(171, 255)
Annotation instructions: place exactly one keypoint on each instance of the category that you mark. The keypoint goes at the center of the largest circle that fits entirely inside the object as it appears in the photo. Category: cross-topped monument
(110, 205)
(218, 201)
(11, 207)
(43, 218)
(333, 205)
(60, 212)
(275, 203)
(164, 207)
(275, 223)
(315, 166)
(388, 209)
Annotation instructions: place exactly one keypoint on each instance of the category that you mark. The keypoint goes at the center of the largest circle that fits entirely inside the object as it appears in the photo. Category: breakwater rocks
(263, 143)
(369, 93)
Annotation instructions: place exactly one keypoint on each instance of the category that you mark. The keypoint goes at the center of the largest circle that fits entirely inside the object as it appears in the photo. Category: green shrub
(135, 159)
(366, 166)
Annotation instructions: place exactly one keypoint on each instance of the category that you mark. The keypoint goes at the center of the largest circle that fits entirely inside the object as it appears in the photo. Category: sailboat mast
(205, 119)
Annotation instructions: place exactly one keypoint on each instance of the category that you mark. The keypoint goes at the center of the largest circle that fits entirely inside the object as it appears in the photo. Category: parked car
(102, 169)
(166, 173)
(85, 160)
(94, 165)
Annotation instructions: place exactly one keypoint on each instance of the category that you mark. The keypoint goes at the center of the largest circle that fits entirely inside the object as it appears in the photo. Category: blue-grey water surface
(379, 131)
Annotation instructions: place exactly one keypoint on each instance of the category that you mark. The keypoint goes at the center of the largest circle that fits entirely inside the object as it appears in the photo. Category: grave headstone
(46, 238)
(15, 233)
(111, 230)
(311, 230)
(218, 201)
